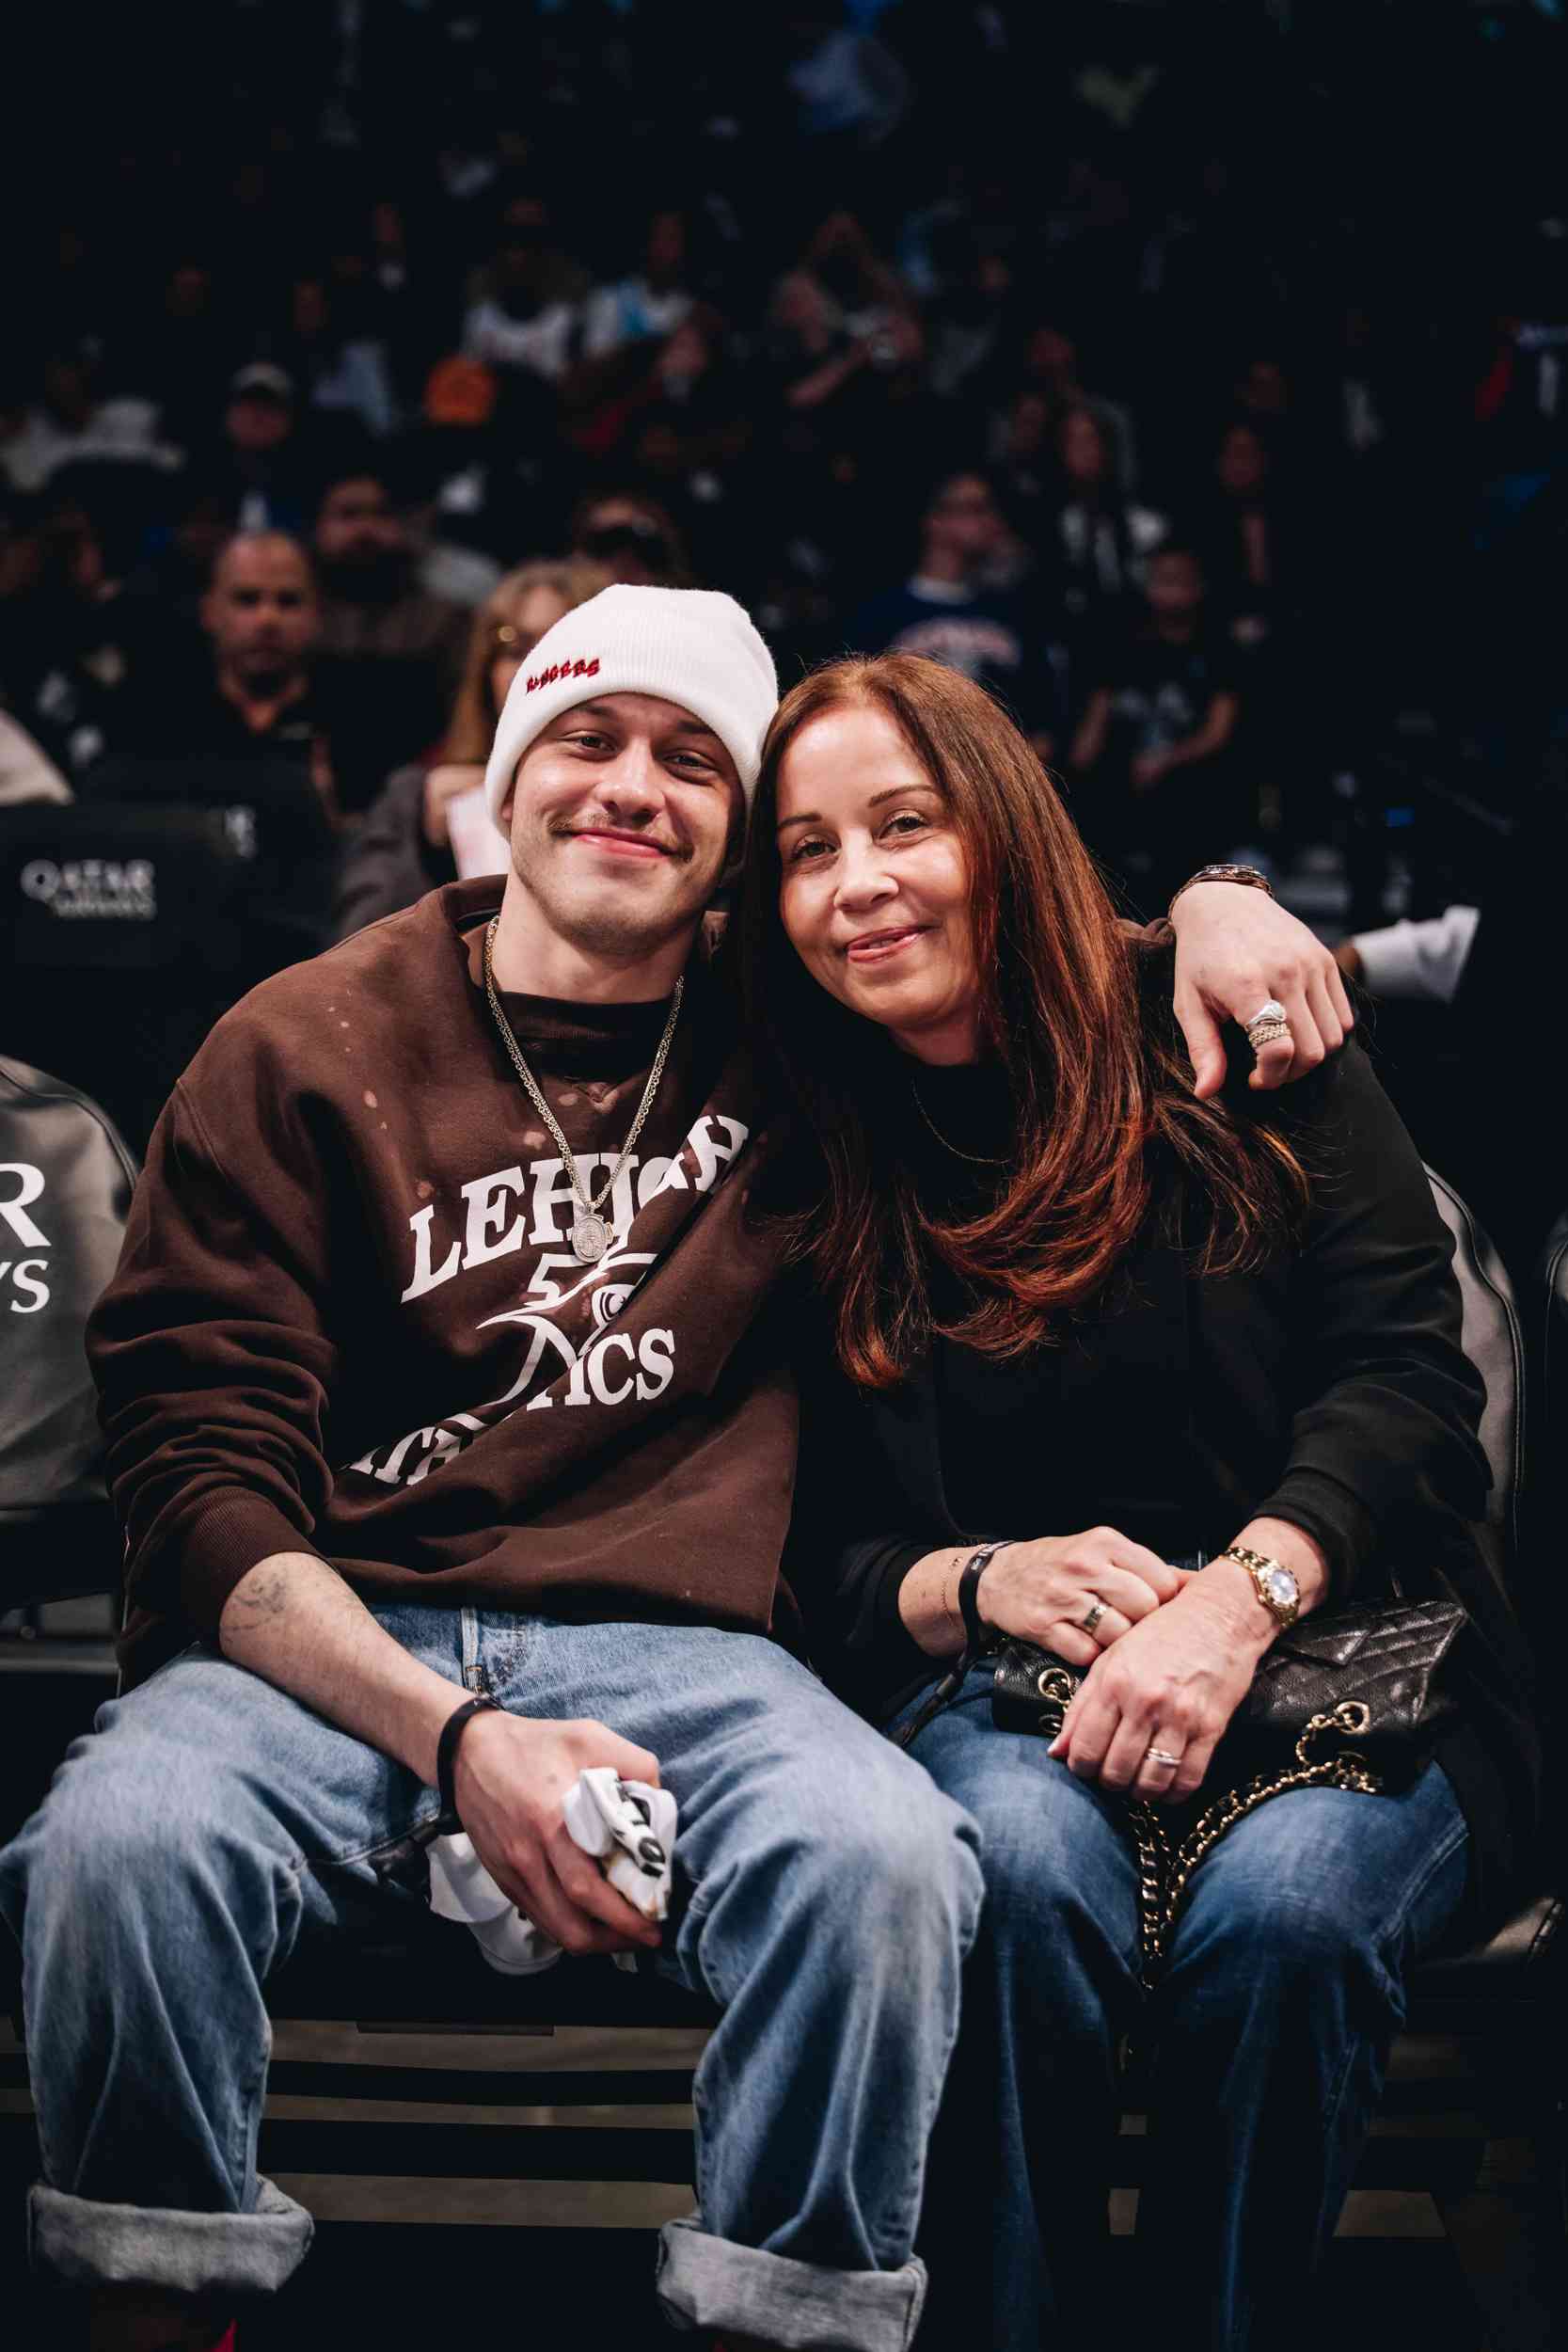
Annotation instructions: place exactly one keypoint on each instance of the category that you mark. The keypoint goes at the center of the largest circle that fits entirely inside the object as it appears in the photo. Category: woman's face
(1083, 452)
(1241, 465)
(535, 613)
(874, 892)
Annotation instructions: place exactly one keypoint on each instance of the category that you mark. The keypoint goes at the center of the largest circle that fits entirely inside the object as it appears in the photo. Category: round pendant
(590, 1239)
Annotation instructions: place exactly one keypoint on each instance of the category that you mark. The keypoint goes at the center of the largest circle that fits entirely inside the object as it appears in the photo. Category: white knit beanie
(690, 645)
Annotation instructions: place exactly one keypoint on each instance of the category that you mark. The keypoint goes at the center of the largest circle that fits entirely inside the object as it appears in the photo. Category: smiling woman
(912, 867)
(1047, 1413)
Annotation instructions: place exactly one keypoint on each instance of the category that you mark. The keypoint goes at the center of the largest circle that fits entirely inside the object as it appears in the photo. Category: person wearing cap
(454, 1455)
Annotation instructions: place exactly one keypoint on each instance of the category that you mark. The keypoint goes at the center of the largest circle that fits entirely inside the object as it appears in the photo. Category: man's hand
(511, 1783)
(1172, 1683)
(1235, 948)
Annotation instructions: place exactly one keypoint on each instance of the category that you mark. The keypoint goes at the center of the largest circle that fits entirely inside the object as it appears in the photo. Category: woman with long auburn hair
(1139, 1378)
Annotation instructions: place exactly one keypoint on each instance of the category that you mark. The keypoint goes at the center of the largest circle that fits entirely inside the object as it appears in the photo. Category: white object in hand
(628, 1827)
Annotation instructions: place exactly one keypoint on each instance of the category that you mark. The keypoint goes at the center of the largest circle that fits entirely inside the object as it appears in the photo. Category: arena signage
(93, 888)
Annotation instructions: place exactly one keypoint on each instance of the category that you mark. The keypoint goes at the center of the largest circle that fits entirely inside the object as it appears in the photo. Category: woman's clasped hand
(1045, 1590)
(1169, 1657)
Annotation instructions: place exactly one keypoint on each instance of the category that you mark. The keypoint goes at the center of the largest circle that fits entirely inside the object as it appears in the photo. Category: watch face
(1281, 1587)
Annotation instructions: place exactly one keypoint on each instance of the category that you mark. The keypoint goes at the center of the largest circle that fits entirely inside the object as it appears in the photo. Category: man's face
(1175, 585)
(622, 817)
(257, 421)
(260, 608)
(359, 530)
(963, 517)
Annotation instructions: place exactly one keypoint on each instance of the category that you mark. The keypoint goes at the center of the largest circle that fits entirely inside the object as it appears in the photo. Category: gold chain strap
(1165, 1872)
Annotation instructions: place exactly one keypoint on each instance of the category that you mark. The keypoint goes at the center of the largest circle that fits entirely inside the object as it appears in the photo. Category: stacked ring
(1161, 1755)
(1269, 1024)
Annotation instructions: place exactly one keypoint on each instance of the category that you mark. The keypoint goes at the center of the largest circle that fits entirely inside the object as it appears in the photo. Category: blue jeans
(1269, 2032)
(827, 1896)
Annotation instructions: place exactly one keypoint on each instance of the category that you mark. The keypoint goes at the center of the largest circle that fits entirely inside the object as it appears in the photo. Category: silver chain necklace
(590, 1230)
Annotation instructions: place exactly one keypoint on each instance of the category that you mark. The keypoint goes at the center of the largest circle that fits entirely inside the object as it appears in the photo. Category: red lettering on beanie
(564, 669)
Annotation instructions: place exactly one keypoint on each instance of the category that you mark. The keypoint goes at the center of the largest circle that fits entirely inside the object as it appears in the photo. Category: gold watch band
(1264, 1570)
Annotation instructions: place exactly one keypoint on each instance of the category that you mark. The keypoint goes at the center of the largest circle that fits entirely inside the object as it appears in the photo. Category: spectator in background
(341, 373)
(259, 467)
(943, 612)
(1149, 756)
(403, 847)
(259, 699)
(524, 320)
(62, 415)
(1049, 365)
(74, 643)
(181, 350)
(367, 571)
(1239, 535)
(648, 306)
(633, 538)
(1100, 538)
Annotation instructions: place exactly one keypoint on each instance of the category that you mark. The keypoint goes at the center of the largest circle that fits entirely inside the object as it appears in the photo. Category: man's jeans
(827, 1893)
(1270, 2033)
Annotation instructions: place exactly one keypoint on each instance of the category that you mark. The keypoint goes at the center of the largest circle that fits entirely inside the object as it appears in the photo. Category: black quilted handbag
(1366, 1685)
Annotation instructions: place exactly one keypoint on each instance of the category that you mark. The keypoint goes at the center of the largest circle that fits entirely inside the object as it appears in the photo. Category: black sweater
(1328, 1388)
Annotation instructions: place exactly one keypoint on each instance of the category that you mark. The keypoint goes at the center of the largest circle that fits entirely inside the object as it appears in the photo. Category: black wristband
(976, 1632)
(446, 1747)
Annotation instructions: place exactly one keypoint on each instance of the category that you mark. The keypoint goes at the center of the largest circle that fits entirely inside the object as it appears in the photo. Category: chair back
(1493, 1340)
(66, 1180)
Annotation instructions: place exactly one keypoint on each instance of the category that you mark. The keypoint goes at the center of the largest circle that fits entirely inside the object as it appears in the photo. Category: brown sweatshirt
(348, 1320)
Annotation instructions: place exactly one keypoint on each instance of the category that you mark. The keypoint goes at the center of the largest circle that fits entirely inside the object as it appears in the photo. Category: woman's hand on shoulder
(1236, 949)
(1149, 1714)
(1045, 1590)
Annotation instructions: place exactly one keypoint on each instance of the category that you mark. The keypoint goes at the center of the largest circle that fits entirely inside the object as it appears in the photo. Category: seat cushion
(1510, 1964)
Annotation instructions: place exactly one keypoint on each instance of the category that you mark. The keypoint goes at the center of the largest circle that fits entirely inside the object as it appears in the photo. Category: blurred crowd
(1175, 389)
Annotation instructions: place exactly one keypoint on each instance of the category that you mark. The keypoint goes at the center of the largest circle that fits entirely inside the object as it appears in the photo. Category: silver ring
(1161, 1755)
(1270, 1009)
(1088, 1623)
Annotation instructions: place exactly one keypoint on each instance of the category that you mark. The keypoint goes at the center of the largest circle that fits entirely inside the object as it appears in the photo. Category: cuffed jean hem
(82, 2243)
(708, 2282)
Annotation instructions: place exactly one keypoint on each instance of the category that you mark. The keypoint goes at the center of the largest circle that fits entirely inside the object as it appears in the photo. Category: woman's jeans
(826, 1896)
(1269, 2035)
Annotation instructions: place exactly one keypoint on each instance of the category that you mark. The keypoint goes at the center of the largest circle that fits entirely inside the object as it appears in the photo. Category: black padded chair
(123, 925)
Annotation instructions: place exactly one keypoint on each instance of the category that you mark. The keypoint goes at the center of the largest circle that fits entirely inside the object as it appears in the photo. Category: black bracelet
(446, 1747)
(976, 1636)
(976, 1632)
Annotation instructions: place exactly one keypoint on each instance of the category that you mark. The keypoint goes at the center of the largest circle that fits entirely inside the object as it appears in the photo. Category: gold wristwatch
(1272, 1582)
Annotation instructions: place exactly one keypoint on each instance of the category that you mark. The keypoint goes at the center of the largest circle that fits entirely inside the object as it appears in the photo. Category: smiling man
(453, 1458)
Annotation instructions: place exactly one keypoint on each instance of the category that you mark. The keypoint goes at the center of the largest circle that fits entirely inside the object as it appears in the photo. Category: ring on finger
(1260, 1033)
(1092, 1617)
(1162, 1755)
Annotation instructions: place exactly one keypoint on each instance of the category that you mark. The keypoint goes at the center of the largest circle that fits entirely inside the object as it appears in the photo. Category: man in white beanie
(453, 1460)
